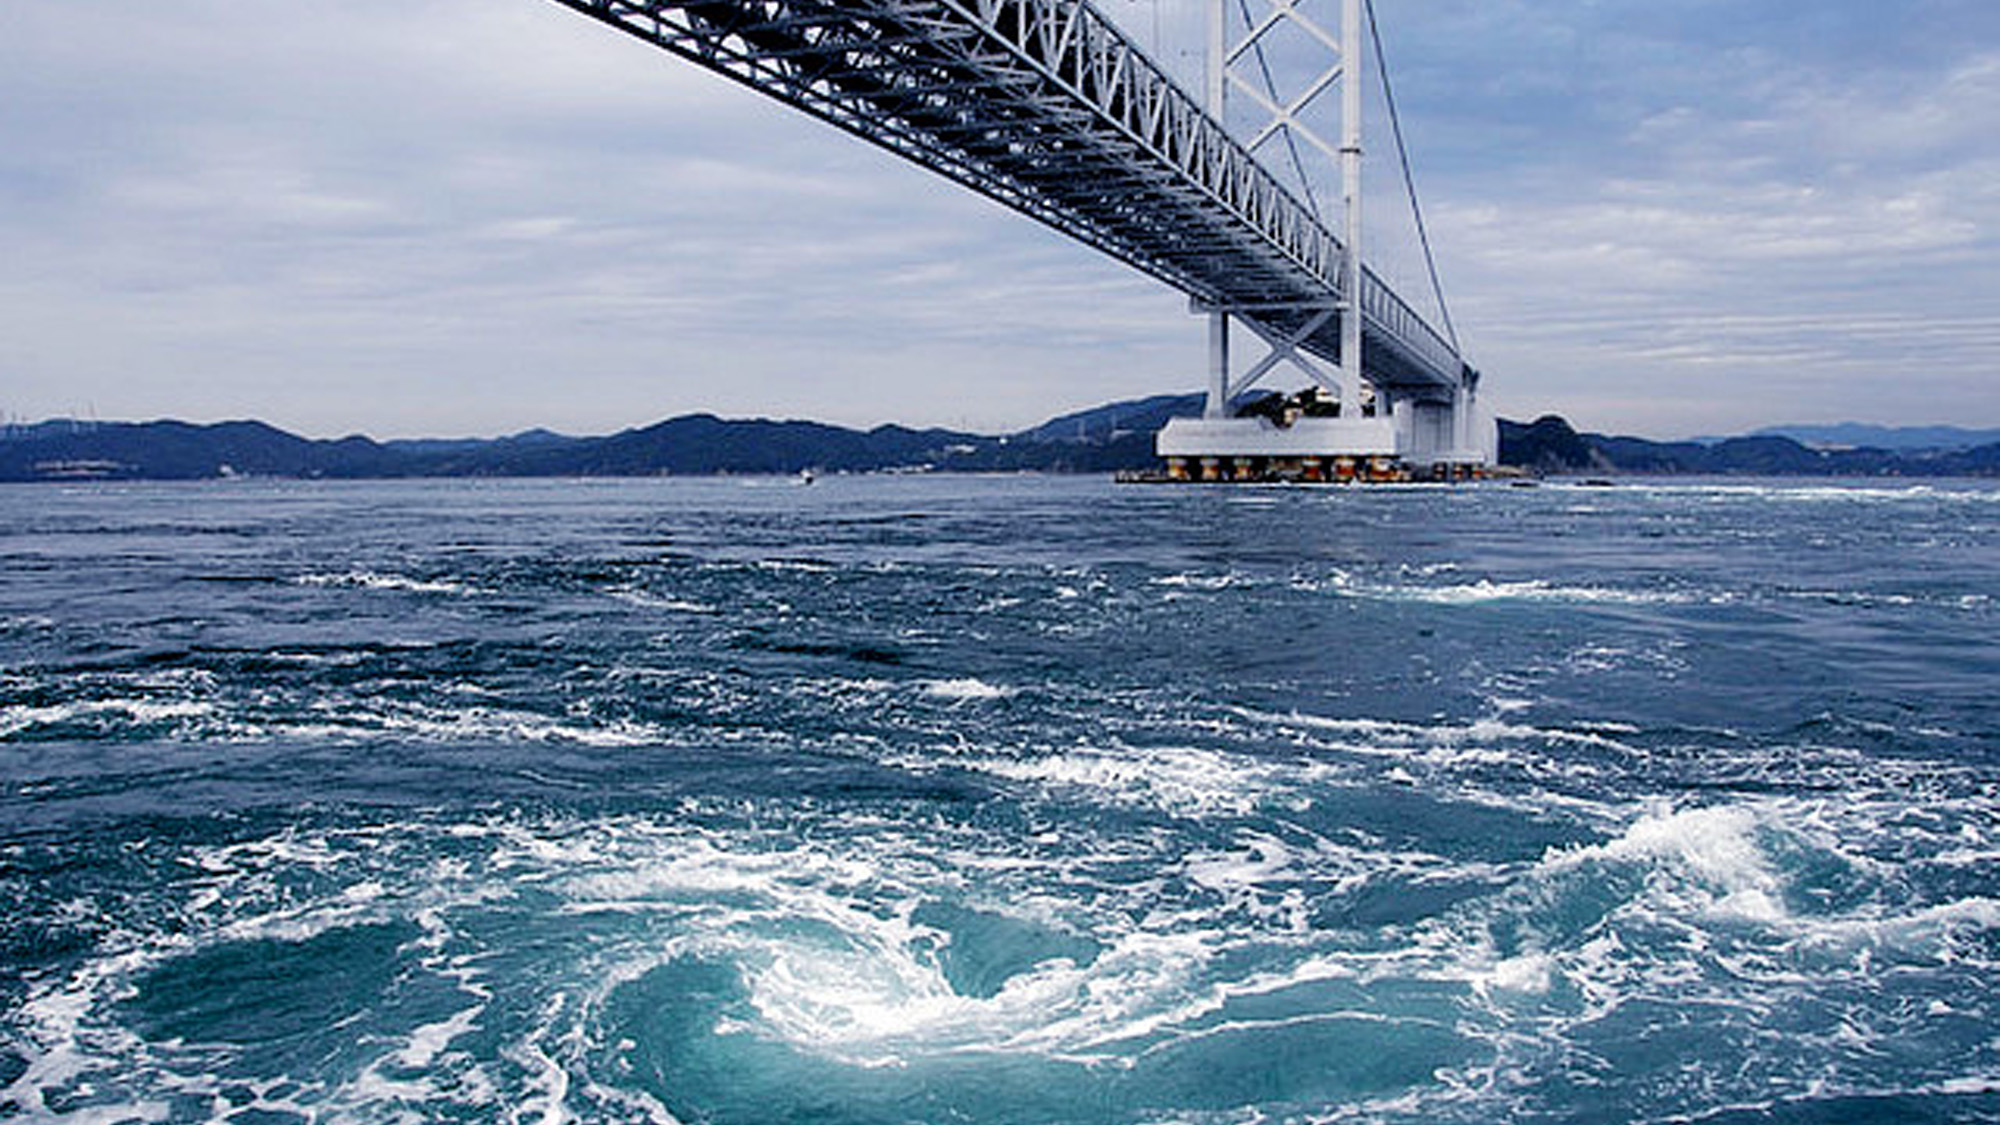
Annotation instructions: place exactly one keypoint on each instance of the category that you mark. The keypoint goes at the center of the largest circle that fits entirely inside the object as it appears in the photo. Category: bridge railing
(1394, 317)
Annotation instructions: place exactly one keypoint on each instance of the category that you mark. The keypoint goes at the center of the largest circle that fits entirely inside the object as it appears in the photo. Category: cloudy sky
(425, 217)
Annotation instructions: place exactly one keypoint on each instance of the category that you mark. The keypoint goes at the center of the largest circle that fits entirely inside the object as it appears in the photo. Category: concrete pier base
(1412, 444)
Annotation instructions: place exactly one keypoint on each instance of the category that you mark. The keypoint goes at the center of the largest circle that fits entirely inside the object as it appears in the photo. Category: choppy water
(1014, 800)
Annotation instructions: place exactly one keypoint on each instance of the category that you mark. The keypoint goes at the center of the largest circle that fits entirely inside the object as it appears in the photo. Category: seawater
(938, 799)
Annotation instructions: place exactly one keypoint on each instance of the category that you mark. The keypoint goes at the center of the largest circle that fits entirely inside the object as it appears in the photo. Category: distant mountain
(425, 447)
(694, 444)
(704, 443)
(1100, 440)
(1894, 438)
(1105, 423)
(182, 451)
(1550, 445)
(1103, 439)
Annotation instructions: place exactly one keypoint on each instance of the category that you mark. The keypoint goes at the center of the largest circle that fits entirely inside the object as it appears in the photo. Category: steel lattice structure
(1046, 107)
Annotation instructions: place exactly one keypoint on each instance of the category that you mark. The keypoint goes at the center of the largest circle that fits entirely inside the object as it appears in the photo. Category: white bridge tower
(1356, 427)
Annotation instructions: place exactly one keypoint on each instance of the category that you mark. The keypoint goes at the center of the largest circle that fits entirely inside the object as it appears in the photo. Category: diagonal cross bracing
(1044, 106)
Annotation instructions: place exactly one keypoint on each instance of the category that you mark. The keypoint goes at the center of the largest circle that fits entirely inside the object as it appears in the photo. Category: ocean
(1019, 800)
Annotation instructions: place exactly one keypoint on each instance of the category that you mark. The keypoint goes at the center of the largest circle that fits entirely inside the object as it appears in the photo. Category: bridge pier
(1427, 428)
(1217, 405)
(1424, 440)
(1371, 431)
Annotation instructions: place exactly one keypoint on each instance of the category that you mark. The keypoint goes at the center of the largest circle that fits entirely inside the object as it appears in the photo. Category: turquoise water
(998, 800)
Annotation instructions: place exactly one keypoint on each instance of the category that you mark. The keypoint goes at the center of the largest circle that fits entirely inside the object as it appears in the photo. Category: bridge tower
(1354, 426)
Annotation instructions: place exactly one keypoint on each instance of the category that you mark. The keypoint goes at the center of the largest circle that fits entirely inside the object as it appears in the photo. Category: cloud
(1795, 249)
(453, 216)
(459, 216)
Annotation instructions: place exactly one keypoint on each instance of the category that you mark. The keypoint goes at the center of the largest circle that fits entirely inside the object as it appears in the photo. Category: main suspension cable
(1409, 181)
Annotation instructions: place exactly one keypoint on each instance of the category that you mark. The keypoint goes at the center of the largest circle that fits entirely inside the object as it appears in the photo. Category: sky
(471, 217)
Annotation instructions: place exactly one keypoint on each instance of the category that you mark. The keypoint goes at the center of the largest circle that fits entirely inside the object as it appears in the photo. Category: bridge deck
(1044, 106)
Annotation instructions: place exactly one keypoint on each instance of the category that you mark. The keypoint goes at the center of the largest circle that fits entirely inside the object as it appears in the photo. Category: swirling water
(998, 800)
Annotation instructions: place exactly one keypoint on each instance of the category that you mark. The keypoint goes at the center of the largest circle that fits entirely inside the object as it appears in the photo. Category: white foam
(1195, 581)
(1528, 973)
(1182, 779)
(1486, 590)
(1715, 846)
(654, 601)
(71, 1046)
(876, 1004)
(376, 580)
(861, 1002)
(834, 962)
(67, 1049)
(1968, 857)
(429, 1040)
(144, 1110)
(548, 1080)
(461, 723)
(794, 566)
(821, 925)
(1263, 859)
(1926, 930)
(1529, 590)
(13, 720)
(1811, 492)
(966, 688)
(1970, 1085)
(1382, 736)
(701, 869)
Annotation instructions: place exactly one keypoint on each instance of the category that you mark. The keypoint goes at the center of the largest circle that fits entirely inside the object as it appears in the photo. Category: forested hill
(1550, 445)
(1102, 439)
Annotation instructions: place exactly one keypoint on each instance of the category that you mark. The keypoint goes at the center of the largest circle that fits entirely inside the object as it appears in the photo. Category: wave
(1185, 779)
(1485, 591)
(532, 955)
(1413, 588)
(647, 600)
(378, 580)
(1804, 492)
(106, 717)
(965, 689)
(1472, 740)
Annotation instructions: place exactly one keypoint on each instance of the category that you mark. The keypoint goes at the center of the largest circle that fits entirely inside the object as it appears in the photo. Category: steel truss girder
(1285, 348)
(1045, 107)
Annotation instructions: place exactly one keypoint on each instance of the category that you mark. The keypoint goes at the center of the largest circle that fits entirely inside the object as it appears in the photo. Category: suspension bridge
(1051, 109)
